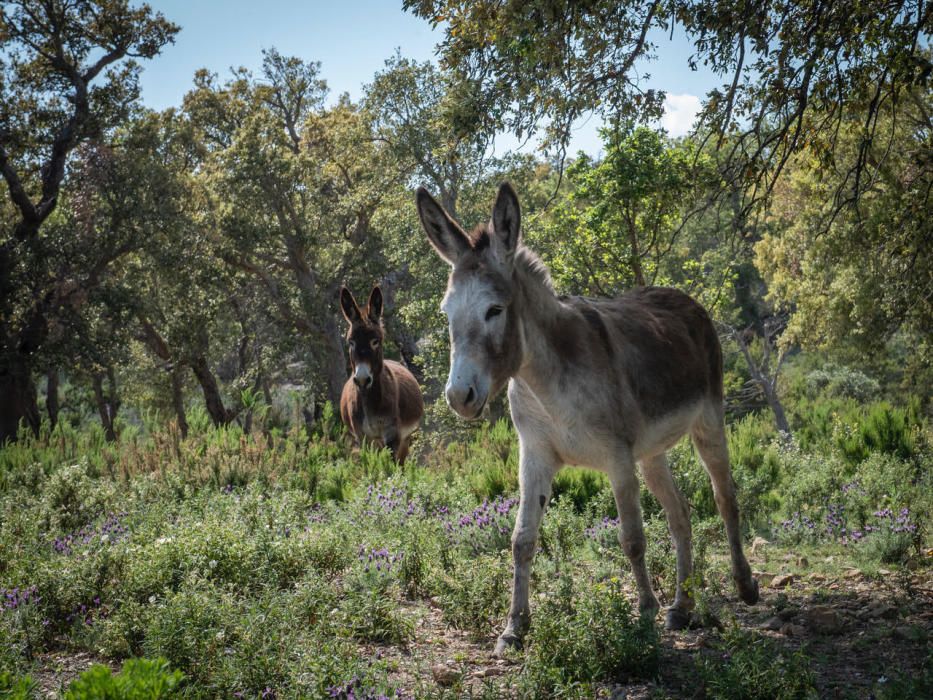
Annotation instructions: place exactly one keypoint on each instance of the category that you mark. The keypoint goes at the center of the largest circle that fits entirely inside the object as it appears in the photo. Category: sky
(352, 39)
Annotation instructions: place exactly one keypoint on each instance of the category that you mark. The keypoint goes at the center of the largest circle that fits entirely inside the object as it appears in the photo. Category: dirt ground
(856, 628)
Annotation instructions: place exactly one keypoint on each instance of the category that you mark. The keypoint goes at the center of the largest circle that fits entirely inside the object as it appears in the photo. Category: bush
(750, 667)
(139, 679)
(578, 639)
(836, 381)
(474, 594)
(11, 688)
(579, 486)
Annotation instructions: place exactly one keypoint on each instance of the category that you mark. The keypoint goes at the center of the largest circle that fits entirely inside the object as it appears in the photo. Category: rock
(789, 629)
(445, 675)
(764, 578)
(822, 619)
(782, 581)
(852, 574)
(788, 613)
(774, 623)
(758, 544)
(816, 577)
(489, 672)
(884, 572)
(881, 610)
(803, 562)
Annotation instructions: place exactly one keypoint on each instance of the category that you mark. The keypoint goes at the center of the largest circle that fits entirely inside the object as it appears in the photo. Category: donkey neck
(373, 396)
(544, 325)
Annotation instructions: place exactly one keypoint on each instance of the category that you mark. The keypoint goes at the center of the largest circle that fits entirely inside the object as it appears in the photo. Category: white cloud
(680, 111)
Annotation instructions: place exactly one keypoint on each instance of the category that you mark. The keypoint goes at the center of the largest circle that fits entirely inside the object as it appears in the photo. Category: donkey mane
(527, 261)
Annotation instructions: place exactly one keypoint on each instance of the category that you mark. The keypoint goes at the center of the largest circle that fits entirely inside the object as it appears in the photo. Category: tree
(853, 279)
(794, 71)
(622, 217)
(292, 191)
(66, 77)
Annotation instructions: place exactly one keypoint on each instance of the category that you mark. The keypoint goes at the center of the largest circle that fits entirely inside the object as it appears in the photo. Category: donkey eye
(493, 312)
(374, 343)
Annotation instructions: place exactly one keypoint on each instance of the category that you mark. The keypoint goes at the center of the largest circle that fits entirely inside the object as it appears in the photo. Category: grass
(283, 565)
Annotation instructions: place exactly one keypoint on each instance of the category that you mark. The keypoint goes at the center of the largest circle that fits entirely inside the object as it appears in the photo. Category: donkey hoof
(676, 619)
(505, 643)
(748, 590)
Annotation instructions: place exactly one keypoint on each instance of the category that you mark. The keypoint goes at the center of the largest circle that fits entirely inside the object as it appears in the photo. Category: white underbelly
(662, 434)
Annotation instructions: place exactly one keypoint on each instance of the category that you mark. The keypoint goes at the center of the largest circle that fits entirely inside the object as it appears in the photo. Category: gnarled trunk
(178, 400)
(18, 405)
(336, 368)
(212, 399)
(107, 403)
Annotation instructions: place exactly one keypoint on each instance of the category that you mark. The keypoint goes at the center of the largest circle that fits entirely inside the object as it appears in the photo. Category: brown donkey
(604, 383)
(381, 400)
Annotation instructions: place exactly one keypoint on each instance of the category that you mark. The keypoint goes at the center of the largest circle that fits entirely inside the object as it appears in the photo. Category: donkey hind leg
(631, 529)
(709, 438)
(535, 474)
(660, 482)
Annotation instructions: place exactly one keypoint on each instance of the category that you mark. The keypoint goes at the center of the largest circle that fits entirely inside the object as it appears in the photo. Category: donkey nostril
(470, 396)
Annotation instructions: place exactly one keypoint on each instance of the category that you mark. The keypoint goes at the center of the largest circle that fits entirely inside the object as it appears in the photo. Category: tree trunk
(780, 418)
(215, 405)
(337, 367)
(107, 406)
(18, 404)
(636, 254)
(765, 379)
(178, 400)
(51, 395)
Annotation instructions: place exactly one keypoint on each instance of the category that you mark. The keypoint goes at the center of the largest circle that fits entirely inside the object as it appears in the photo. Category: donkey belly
(375, 427)
(662, 433)
(585, 439)
(574, 437)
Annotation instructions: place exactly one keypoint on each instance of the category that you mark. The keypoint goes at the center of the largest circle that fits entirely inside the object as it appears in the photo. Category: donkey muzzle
(363, 376)
(465, 400)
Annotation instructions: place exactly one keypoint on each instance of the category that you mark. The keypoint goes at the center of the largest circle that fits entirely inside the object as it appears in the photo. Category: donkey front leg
(392, 439)
(631, 530)
(535, 473)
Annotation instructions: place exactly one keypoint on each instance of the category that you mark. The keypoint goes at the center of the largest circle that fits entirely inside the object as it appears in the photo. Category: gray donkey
(603, 383)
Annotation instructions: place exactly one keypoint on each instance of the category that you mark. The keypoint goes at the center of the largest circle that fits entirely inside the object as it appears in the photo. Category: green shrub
(836, 381)
(22, 688)
(474, 595)
(139, 679)
(579, 486)
(369, 615)
(73, 498)
(578, 638)
(748, 666)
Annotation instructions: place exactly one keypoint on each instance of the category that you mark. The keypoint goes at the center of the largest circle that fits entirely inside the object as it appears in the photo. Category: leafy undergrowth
(271, 566)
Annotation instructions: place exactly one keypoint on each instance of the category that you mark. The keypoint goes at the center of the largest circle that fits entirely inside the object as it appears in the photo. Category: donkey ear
(445, 235)
(351, 311)
(375, 305)
(507, 218)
